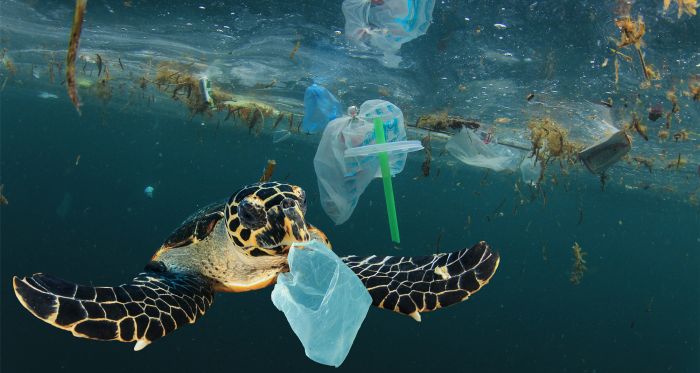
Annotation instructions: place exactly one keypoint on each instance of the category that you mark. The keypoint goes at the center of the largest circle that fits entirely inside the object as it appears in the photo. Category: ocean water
(77, 209)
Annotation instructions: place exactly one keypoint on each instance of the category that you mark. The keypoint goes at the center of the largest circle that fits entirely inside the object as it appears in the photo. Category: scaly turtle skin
(237, 246)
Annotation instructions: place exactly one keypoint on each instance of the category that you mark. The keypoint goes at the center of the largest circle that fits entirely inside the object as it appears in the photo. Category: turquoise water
(637, 307)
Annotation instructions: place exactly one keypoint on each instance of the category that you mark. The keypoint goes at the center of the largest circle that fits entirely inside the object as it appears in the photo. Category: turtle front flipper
(411, 285)
(151, 306)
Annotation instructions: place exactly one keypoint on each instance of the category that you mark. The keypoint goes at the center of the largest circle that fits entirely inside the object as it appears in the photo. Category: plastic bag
(320, 107)
(472, 149)
(386, 25)
(323, 300)
(342, 180)
(530, 171)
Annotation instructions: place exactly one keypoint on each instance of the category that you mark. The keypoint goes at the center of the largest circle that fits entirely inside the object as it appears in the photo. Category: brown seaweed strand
(73, 52)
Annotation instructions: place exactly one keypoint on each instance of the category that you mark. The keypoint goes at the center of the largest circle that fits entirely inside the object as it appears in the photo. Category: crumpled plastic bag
(386, 25)
(470, 148)
(320, 107)
(323, 300)
(342, 180)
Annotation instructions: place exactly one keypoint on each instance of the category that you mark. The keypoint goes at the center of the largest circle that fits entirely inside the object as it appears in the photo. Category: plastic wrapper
(603, 154)
(323, 300)
(470, 148)
(392, 147)
(342, 180)
(386, 25)
(320, 107)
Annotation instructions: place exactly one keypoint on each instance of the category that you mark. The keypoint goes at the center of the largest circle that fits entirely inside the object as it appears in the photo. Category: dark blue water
(77, 208)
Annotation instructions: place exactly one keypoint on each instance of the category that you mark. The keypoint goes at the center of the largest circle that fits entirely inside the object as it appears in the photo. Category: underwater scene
(361, 185)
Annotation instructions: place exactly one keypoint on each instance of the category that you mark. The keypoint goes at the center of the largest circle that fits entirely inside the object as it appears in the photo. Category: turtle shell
(197, 227)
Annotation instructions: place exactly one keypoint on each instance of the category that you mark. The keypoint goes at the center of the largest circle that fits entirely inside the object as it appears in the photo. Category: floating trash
(149, 191)
(47, 95)
(324, 301)
(601, 155)
(342, 179)
(320, 107)
(280, 135)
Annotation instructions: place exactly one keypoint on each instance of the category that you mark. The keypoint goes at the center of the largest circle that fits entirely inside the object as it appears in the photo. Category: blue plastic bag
(323, 300)
(320, 107)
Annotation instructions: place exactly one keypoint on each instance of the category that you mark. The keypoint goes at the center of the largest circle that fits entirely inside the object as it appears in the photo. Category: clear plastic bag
(324, 301)
(386, 24)
(320, 107)
(470, 148)
(342, 180)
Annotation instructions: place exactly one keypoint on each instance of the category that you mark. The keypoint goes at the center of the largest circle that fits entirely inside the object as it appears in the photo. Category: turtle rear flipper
(151, 306)
(411, 285)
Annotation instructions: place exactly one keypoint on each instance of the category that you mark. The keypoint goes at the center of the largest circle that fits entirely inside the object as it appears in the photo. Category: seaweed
(294, 51)
(579, 266)
(646, 162)
(681, 135)
(632, 34)
(550, 141)
(639, 127)
(694, 87)
(99, 64)
(440, 121)
(427, 148)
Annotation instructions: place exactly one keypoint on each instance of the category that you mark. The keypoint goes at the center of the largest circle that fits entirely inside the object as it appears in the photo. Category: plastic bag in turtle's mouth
(324, 301)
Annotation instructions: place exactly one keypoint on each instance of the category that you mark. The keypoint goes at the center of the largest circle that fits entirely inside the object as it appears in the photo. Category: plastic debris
(280, 135)
(47, 95)
(399, 146)
(324, 302)
(386, 25)
(148, 191)
(603, 154)
(341, 179)
(482, 150)
(206, 91)
(320, 107)
(530, 171)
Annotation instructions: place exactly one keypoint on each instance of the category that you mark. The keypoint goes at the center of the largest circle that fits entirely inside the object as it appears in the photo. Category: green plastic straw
(386, 178)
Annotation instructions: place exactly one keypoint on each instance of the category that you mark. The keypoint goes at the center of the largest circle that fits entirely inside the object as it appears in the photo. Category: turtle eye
(252, 213)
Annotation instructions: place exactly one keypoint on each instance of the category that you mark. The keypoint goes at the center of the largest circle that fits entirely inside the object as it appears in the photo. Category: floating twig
(77, 28)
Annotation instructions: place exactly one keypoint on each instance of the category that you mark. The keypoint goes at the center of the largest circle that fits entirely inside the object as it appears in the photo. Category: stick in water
(73, 52)
(269, 169)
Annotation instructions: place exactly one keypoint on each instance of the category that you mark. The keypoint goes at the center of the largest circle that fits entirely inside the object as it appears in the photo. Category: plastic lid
(391, 147)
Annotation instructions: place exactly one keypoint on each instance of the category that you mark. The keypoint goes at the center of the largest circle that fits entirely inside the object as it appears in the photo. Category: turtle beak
(295, 225)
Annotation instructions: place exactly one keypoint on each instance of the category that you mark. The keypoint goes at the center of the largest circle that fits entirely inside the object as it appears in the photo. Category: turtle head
(266, 218)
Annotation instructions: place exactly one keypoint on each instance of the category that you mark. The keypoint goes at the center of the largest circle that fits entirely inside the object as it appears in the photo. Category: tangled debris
(632, 34)
(550, 142)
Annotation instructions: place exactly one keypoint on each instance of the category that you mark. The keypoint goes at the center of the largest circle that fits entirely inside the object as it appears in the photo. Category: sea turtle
(237, 246)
